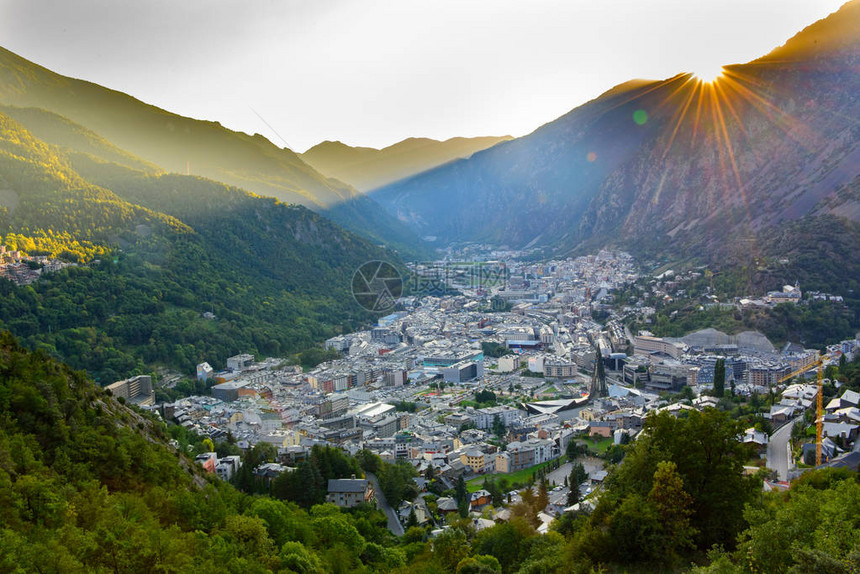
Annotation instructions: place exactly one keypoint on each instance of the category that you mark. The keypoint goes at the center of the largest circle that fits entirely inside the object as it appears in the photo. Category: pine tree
(674, 506)
(601, 372)
(463, 508)
(720, 378)
(542, 496)
(577, 475)
(598, 380)
(572, 450)
(460, 492)
(574, 495)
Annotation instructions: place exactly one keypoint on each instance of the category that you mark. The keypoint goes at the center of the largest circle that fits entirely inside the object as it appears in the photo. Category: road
(393, 523)
(628, 334)
(778, 450)
(590, 464)
(557, 476)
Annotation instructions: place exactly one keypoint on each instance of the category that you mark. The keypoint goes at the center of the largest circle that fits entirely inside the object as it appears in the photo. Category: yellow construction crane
(819, 399)
(816, 363)
(819, 414)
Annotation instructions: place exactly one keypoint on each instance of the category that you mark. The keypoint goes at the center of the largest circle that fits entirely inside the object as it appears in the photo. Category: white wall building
(483, 418)
(240, 362)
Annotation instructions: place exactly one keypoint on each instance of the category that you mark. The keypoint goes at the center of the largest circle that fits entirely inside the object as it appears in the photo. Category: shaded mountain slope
(517, 191)
(676, 167)
(170, 141)
(276, 276)
(93, 118)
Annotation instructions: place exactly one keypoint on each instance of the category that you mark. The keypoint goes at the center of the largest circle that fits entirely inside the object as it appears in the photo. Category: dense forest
(89, 485)
(156, 253)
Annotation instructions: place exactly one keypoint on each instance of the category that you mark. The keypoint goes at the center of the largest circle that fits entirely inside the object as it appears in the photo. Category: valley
(626, 340)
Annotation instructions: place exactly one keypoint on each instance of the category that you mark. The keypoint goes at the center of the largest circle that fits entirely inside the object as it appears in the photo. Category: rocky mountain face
(677, 167)
(367, 168)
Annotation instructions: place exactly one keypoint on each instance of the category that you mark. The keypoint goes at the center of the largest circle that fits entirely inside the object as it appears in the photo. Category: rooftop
(347, 485)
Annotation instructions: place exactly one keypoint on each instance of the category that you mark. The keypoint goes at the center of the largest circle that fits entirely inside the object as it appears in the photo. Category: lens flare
(708, 74)
(640, 117)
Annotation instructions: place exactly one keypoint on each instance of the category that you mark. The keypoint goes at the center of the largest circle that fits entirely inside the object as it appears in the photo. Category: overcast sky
(372, 72)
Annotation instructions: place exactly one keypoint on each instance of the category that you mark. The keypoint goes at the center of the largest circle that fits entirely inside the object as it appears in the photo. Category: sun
(708, 74)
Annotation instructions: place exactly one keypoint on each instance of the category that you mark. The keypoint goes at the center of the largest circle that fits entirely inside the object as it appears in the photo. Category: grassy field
(518, 476)
(600, 446)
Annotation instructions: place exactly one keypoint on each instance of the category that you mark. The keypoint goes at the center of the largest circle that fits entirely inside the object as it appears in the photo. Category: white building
(536, 364)
(463, 371)
(240, 362)
(227, 467)
(509, 363)
(483, 418)
(204, 372)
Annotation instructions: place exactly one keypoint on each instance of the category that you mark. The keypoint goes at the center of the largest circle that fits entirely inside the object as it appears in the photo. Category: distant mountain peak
(367, 168)
(121, 129)
(837, 32)
(667, 165)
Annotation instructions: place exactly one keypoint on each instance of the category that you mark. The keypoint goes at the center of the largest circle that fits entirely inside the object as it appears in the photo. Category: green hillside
(90, 485)
(276, 276)
(88, 118)
(71, 137)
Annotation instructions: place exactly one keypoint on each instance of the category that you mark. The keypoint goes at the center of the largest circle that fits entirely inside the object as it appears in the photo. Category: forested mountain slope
(276, 276)
(149, 138)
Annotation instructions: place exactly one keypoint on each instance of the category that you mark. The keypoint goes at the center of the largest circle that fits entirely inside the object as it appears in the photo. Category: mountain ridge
(157, 135)
(367, 168)
(674, 167)
(166, 141)
(828, 34)
(161, 249)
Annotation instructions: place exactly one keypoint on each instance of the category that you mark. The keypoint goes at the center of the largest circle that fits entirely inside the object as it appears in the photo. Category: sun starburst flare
(708, 74)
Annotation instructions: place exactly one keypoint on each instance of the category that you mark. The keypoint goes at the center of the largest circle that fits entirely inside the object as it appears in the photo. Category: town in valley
(507, 377)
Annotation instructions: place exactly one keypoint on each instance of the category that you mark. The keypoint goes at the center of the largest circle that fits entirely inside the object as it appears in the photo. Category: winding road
(778, 450)
(393, 523)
